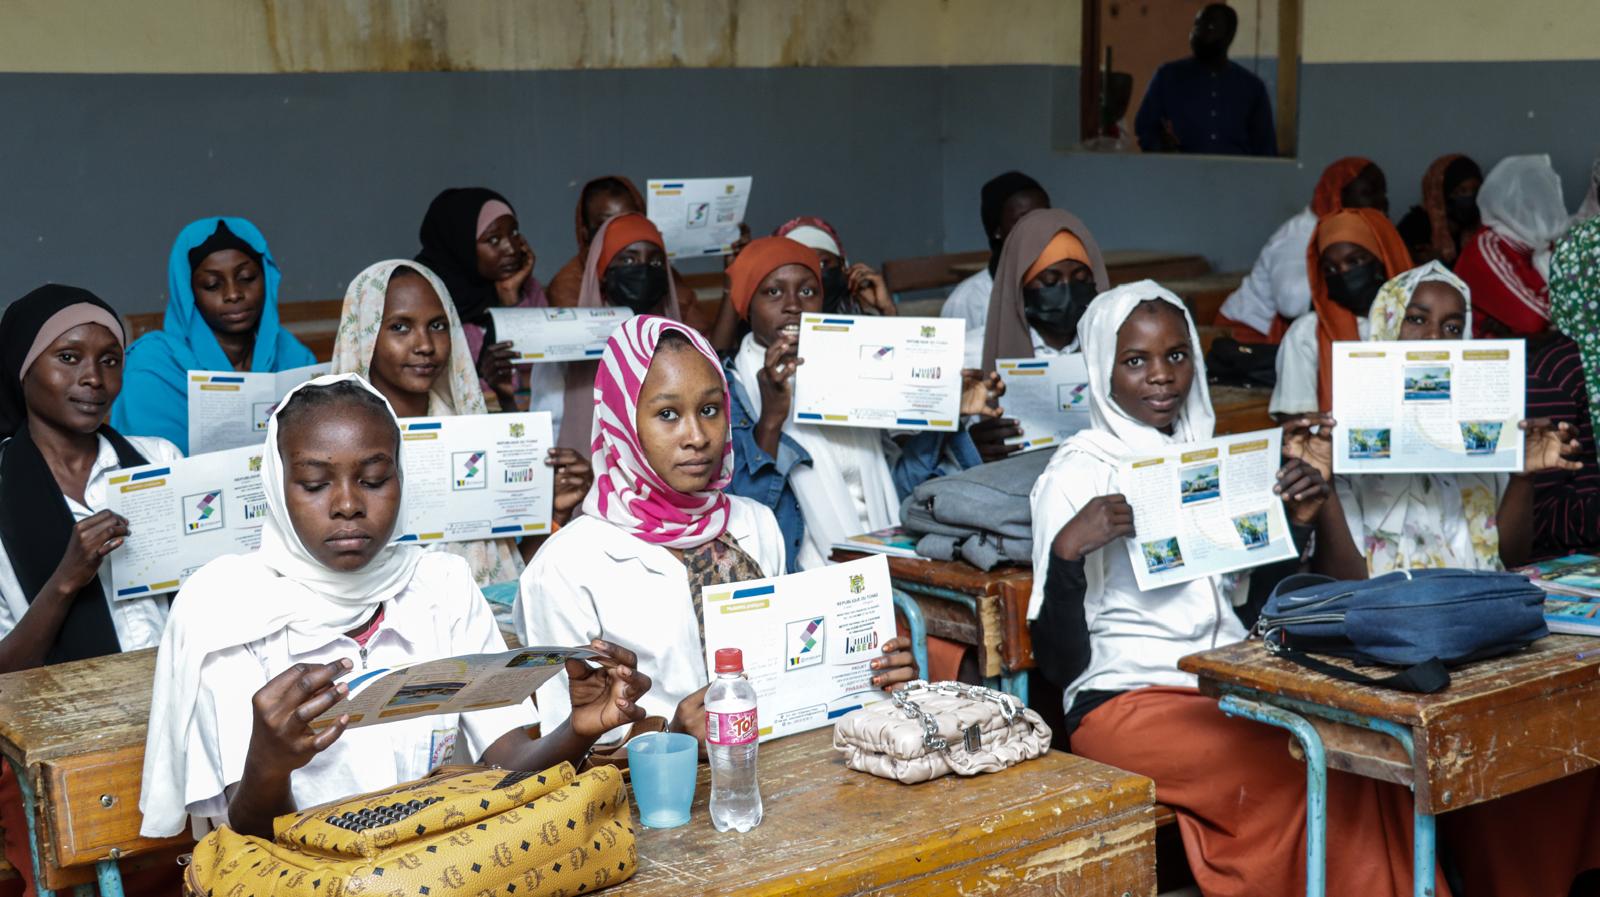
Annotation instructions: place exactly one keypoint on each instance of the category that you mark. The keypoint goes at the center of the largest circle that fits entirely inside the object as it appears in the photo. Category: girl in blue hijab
(222, 315)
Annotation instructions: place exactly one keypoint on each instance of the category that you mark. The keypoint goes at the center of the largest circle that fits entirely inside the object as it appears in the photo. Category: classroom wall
(883, 115)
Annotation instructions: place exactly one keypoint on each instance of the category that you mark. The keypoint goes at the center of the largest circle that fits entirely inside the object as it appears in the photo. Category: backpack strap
(1423, 678)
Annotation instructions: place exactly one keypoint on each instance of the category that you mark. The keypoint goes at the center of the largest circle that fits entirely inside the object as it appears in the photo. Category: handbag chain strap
(931, 739)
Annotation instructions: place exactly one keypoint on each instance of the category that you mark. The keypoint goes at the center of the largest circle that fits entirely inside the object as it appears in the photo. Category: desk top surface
(958, 576)
(76, 708)
(830, 830)
(1547, 666)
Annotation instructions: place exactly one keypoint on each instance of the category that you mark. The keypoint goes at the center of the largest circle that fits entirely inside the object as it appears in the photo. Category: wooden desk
(969, 606)
(76, 731)
(1204, 294)
(1122, 265)
(1059, 825)
(1241, 409)
(1503, 725)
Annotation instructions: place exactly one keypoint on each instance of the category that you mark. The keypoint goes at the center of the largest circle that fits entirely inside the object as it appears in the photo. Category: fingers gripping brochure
(808, 639)
(1047, 397)
(888, 373)
(452, 685)
(1205, 508)
(1428, 406)
(540, 335)
(697, 216)
(478, 476)
(228, 409)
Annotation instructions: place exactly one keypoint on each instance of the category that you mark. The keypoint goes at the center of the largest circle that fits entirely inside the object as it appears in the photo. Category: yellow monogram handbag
(462, 830)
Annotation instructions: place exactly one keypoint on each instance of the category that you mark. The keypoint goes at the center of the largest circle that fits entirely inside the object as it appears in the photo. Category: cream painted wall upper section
(254, 36)
(263, 36)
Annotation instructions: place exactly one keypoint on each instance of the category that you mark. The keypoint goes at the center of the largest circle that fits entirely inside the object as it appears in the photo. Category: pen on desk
(1592, 652)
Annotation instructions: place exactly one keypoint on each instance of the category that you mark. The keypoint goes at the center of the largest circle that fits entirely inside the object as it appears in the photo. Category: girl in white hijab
(255, 642)
(1239, 796)
(1507, 261)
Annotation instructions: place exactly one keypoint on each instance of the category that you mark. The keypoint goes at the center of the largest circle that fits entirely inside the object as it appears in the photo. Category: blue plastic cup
(663, 766)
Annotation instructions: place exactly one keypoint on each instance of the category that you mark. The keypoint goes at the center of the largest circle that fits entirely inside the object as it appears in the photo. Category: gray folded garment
(980, 515)
(982, 550)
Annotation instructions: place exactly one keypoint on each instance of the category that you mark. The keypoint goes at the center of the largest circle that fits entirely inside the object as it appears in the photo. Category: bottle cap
(730, 660)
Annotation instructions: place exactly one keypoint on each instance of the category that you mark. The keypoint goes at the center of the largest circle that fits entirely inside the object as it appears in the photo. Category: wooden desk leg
(1290, 714)
(908, 607)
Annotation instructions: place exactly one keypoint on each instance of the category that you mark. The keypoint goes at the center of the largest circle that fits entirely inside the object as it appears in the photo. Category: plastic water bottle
(731, 741)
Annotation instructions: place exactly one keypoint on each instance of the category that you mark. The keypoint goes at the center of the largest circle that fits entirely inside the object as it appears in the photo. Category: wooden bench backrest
(929, 272)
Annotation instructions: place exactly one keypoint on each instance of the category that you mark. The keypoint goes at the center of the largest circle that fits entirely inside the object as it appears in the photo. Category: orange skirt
(1241, 806)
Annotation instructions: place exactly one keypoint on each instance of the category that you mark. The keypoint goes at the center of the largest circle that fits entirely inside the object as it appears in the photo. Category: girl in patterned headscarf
(400, 331)
(657, 527)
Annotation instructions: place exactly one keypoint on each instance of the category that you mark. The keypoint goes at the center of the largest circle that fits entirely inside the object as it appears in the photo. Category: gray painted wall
(97, 173)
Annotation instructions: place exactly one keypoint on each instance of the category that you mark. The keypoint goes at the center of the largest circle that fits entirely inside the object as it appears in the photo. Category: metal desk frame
(106, 870)
(1014, 683)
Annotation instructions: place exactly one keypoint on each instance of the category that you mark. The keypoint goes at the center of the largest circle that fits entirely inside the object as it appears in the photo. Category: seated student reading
(627, 268)
(1049, 271)
(222, 315)
(1465, 520)
(601, 200)
(255, 642)
(1002, 202)
(1238, 794)
(60, 370)
(1277, 291)
(658, 527)
(1352, 253)
(1563, 382)
(825, 483)
(1507, 260)
(399, 331)
(472, 241)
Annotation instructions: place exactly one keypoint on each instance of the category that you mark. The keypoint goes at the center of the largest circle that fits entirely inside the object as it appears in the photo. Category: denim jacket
(759, 476)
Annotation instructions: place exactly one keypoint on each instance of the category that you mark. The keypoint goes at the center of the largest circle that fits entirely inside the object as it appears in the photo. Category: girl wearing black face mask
(626, 268)
(1351, 254)
(846, 289)
(1049, 271)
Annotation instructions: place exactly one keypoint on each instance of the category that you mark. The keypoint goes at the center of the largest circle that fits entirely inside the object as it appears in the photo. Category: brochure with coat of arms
(887, 373)
(807, 638)
(479, 476)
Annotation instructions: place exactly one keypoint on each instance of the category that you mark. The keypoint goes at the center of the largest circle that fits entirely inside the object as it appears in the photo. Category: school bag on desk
(1422, 620)
(462, 830)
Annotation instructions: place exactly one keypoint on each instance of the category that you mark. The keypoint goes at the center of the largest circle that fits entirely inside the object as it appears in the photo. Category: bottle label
(731, 728)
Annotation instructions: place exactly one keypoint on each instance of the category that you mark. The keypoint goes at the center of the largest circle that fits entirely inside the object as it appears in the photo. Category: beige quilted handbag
(927, 731)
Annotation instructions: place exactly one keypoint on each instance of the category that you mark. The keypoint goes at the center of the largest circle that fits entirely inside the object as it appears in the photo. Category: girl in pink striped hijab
(665, 485)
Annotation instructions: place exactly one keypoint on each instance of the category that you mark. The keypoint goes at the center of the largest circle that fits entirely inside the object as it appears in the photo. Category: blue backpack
(1423, 620)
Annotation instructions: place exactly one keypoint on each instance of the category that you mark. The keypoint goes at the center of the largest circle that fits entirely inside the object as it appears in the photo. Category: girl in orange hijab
(599, 201)
(1352, 254)
(626, 268)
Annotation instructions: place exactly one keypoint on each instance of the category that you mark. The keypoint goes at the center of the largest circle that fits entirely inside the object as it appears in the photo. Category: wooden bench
(1058, 825)
(1205, 294)
(932, 272)
(314, 322)
(77, 730)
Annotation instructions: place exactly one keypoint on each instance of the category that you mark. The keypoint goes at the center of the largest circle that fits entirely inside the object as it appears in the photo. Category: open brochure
(452, 685)
(1205, 508)
(807, 638)
(1047, 397)
(889, 373)
(540, 335)
(228, 409)
(477, 476)
(1428, 406)
(697, 216)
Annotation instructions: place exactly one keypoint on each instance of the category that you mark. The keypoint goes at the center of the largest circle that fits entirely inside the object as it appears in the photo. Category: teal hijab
(155, 398)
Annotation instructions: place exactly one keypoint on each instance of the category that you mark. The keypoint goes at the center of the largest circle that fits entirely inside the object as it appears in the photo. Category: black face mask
(637, 287)
(1463, 210)
(1057, 307)
(1356, 288)
(836, 291)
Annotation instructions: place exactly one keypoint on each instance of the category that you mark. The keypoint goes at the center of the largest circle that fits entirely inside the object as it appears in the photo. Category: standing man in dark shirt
(1207, 104)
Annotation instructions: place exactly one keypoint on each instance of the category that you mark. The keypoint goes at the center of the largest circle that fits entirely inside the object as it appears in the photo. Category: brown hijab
(1006, 333)
(577, 416)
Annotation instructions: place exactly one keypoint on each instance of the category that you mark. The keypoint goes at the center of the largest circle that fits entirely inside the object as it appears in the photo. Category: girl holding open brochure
(658, 527)
(400, 330)
(256, 641)
(222, 315)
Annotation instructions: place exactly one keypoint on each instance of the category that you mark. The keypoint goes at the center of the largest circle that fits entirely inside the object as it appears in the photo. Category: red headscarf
(1371, 230)
(1433, 203)
(760, 258)
(1326, 199)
